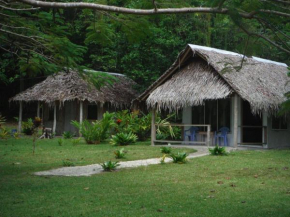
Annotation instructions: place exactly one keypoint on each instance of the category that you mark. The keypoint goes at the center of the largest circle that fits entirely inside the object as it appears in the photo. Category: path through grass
(246, 183)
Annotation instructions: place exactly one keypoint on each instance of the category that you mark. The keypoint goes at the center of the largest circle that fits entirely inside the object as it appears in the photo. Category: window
(279, 123)
(92, 112)
(217, 113)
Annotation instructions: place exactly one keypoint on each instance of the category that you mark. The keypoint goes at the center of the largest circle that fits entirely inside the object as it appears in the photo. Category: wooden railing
(207, 133)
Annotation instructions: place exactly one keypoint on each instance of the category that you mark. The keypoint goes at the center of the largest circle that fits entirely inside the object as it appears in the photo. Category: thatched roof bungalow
(67, 96)
(225, 89)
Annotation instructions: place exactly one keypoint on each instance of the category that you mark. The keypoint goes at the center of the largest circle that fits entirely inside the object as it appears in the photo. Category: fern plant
(123, 139)
(60, 141)
(4, 133)
(67, 135)
(97, 131)
(110, 165)
(68, 163)
(179, 157)
(218, 150)
(166, 150)
(76, 141)
(120, 153)
(2, 120)
(27, 127)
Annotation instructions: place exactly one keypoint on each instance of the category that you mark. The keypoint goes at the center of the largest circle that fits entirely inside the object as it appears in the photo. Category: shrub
(2, 120)
(135, 122)
(218, 150)
(76, 141)
(110, 165)
(67, 135)
(179, 157)
(16, 135)
(166, 150)
(28, 127)
(60, 141)
(3, 133)
(120, 153)
(97, 131)
(123, 139)
(68, 163)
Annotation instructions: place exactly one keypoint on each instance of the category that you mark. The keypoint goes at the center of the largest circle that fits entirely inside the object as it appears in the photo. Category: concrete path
(96, 168)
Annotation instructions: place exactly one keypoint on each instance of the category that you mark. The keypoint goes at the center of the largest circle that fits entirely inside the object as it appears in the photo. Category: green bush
(179, 157)
(135, 122)
(120, 153)
(123, 139)
(218, 150)
(4, 133)
(76, 141)
(60, 141)
(67, 135)
(97, 131)
(27, 127)
(166, 150)
(68, 163)
(2, 120)
(110, 165)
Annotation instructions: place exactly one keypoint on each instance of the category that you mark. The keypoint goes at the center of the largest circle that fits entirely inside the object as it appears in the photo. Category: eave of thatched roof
(70, 86)
(262, 83)
(191, 85)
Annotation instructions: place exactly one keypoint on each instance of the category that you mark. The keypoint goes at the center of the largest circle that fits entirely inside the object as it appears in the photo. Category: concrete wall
(278, 138)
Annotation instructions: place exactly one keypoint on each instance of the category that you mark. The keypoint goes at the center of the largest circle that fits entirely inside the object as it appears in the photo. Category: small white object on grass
(169, 144)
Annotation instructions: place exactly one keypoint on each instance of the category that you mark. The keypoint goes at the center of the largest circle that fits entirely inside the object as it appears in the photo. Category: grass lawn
(245, 183)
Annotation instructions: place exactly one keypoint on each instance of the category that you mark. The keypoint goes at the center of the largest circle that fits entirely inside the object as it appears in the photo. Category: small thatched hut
(64, 97)
(225, 89)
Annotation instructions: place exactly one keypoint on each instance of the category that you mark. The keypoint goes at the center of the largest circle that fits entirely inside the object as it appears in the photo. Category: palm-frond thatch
(262, 83)
(192, 85)
(70, 86)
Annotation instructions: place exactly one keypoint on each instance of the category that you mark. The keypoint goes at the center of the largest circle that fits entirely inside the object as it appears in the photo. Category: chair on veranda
(192, 133)
(222, 134)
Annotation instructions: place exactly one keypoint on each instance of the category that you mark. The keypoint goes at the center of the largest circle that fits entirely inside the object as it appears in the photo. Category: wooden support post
(38, 110)
(81, 116)
(54, 119)
(208, 135)
(235, 131)
(81, 111)
(153, 127)
(20, 117)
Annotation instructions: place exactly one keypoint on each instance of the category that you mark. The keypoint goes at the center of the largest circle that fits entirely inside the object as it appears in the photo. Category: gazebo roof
(71, 86)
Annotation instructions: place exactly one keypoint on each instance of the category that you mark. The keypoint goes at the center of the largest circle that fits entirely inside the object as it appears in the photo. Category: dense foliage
(217, 150)
(110, 165)
(123, 139)
(40, 42)
(98, 130)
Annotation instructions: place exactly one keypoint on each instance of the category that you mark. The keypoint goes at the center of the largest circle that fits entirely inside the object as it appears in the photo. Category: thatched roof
(71, 86)
(202, 73)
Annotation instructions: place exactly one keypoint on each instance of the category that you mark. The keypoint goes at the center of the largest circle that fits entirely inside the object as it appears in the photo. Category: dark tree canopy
(138, 38)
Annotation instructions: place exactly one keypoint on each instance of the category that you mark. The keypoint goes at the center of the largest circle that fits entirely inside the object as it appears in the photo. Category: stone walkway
(96, 168)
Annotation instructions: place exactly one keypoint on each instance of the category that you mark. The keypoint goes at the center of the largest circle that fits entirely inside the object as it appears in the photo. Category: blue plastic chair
(192, 136)
(222, 133)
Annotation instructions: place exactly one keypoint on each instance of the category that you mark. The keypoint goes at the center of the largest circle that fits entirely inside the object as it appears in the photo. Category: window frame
(205, 116)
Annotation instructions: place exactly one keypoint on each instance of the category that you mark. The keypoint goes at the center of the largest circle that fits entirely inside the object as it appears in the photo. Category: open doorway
(252, 126)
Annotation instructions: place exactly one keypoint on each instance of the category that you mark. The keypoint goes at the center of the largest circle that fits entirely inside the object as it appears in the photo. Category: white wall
(278, 138)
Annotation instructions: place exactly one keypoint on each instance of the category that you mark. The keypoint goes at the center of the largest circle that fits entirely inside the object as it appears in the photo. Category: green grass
(246, 183)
